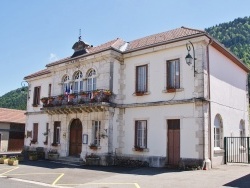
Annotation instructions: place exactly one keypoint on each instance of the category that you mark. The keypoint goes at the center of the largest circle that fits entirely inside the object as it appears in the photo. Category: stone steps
(70, 161)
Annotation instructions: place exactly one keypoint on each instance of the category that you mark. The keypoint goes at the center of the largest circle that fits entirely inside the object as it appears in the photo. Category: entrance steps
(75, 161)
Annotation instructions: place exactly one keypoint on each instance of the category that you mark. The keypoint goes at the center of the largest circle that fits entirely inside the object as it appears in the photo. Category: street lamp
(189, 58)
(23, 88)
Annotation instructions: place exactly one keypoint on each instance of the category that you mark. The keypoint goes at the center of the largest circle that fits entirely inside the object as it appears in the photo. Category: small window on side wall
(141, 79)
(173, 74)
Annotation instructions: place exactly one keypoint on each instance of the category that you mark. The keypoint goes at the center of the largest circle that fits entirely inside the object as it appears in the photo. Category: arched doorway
(75, 139)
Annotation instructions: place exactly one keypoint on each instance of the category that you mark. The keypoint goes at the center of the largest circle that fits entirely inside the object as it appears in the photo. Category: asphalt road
(50, 174)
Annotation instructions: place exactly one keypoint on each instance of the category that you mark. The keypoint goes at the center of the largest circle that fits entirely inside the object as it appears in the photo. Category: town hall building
(164, 99)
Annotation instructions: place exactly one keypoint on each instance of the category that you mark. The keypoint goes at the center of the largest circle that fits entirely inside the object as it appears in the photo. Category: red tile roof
(156, 39)
(12, 116)
(163, 37)
(39, 73)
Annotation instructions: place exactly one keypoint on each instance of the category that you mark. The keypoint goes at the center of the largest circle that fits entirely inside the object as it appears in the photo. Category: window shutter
(35, 132)
(168, 75)
(136, 133)
(49, 93)
(145, 134)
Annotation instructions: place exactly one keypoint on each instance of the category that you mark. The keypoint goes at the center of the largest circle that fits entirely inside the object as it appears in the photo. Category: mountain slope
(15, 99)
(235, 35)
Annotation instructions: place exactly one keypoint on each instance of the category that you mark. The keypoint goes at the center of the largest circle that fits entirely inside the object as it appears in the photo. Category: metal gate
(237, 150)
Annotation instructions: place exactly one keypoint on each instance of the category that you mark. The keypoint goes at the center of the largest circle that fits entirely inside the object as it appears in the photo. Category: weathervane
(80, 34)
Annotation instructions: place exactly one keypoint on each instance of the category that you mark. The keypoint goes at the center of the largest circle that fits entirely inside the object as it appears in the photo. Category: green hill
(235, 35)
(15, 99)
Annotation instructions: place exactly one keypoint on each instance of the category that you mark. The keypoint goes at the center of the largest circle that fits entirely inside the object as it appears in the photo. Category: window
(218, 132)
(78, 82)
(56, 138)
(141, 134)
(173, 74)
(35, 133)
(96, 132)
(65, 85)
(36, 96)
(91, 80)
(141, 79)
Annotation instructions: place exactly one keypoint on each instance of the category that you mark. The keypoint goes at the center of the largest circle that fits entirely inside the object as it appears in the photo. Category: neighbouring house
(12, 128)
(143, 100)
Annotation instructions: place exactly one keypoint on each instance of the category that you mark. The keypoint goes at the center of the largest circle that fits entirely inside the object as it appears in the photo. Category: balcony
(89, 101)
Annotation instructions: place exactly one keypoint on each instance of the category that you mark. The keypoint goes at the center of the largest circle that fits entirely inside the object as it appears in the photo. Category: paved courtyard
(50, 174)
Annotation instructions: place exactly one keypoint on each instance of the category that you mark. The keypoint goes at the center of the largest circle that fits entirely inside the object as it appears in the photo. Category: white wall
(228, 96)
(156, 62)
(157, 129)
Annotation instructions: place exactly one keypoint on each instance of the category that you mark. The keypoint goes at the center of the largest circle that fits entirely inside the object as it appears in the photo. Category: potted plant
(139, 93)
(107, 92)
(92, 159)
(13, 161)
(53, 154)
(60, 97)
(44, 100)
(4, 159)
(83, 94)
(137, 148)
(93, 146)
(51, 99)
(72, 95)
(33, 155)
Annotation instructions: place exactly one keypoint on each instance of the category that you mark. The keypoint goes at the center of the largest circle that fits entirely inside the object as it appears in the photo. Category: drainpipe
(208, 161)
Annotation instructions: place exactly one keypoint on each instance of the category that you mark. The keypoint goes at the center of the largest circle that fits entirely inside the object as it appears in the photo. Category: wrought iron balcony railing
(96, 96)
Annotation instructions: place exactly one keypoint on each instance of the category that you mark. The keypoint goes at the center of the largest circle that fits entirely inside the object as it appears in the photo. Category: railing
(100, 95)
(237, 150)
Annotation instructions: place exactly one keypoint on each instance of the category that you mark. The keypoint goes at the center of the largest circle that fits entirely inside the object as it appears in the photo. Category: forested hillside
(235, 35)
(15, 99)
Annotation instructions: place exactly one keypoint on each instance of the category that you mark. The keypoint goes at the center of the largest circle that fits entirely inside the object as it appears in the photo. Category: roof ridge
(199, 30)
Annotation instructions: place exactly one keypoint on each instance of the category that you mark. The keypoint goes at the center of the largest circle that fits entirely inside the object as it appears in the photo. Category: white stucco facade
(201, 95)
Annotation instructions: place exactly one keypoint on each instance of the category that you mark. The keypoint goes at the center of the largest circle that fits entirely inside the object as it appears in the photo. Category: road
(50, 174)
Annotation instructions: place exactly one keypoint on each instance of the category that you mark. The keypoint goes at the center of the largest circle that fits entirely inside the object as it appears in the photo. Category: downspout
(209, 104)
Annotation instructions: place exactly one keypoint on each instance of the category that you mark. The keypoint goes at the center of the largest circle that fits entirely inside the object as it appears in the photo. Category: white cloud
(53, 57)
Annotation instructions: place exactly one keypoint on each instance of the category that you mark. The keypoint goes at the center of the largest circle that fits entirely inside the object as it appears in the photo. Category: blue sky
(35, 33)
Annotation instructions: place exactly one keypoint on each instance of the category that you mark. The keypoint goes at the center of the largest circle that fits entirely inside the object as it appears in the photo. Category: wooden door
(173, 141)
(75, 146)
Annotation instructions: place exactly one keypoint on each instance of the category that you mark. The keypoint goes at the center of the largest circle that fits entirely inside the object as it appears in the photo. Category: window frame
(137, 80)
(34, 133)
(36, 96)
(176, 76)
(91, 80)
(218, 133)
(96, 133)
(141, 141)
(78, 82)
(57, 133)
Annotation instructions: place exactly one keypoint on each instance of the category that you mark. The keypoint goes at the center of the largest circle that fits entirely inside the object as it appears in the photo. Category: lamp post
(188, 57)
(23, 88)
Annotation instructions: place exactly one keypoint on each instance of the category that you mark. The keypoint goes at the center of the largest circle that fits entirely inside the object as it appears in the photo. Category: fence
(237, 150)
